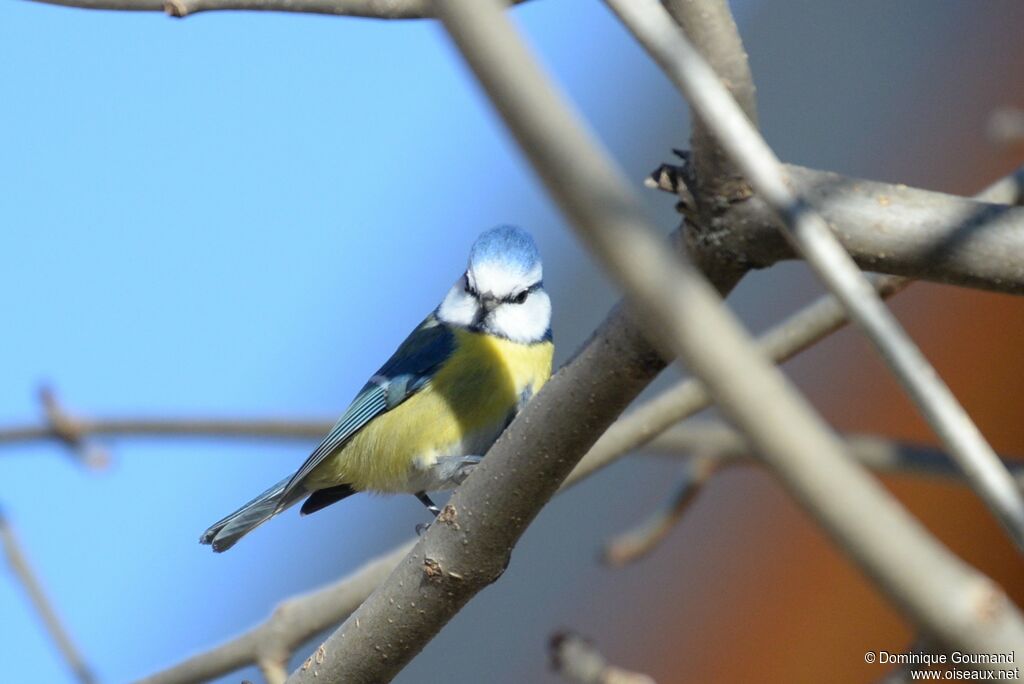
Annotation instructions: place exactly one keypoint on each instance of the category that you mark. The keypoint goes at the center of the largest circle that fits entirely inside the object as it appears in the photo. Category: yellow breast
(468, 400)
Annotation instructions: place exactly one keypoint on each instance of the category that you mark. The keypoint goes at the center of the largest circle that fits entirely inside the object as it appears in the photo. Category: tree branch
(372, 9)
(34, 589)
(809, 232)
(887, 228)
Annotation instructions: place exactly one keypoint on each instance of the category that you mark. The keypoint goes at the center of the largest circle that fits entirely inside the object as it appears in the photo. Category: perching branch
(577, 660)
(372, 9)
(19, 565)
(809, 232)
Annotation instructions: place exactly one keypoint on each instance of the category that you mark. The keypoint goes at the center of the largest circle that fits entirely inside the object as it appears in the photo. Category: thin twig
(577, 660)
(709, 447)
(655, 29)
(371, 9)
(33, 588)
(631, 546)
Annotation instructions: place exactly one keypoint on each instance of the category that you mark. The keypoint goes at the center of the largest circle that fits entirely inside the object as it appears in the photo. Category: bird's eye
(521, 297)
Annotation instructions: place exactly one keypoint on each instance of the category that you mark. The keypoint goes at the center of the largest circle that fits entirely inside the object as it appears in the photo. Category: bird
(424, 420)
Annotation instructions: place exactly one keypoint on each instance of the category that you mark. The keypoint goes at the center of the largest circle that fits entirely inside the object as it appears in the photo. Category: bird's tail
(223, 534)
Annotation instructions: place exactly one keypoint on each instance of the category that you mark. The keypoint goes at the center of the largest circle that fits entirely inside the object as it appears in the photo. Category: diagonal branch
(372, 9)
(649, 21)
(23, 572)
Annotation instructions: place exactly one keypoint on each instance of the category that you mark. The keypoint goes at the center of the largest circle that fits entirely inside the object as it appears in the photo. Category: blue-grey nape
(510, 247)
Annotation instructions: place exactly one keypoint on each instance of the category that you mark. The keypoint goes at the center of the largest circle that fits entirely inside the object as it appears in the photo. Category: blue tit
(424, 420)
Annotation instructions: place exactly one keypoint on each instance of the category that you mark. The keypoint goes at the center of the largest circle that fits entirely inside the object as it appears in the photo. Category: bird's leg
(451, 470)
(431, 506)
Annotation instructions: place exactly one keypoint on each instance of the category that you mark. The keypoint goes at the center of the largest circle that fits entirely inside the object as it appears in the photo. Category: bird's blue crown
(507, 247)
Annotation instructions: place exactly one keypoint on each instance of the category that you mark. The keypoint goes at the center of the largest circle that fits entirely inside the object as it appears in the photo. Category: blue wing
(405, 373)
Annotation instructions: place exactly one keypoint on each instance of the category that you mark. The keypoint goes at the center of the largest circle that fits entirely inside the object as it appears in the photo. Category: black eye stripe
(520, 297)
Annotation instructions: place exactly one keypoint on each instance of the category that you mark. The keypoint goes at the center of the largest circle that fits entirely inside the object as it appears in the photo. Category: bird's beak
(489, 302)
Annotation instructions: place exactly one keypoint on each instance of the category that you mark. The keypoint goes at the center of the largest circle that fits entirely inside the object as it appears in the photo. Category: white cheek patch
(458, 308)
(500, 280)
(523, 323)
